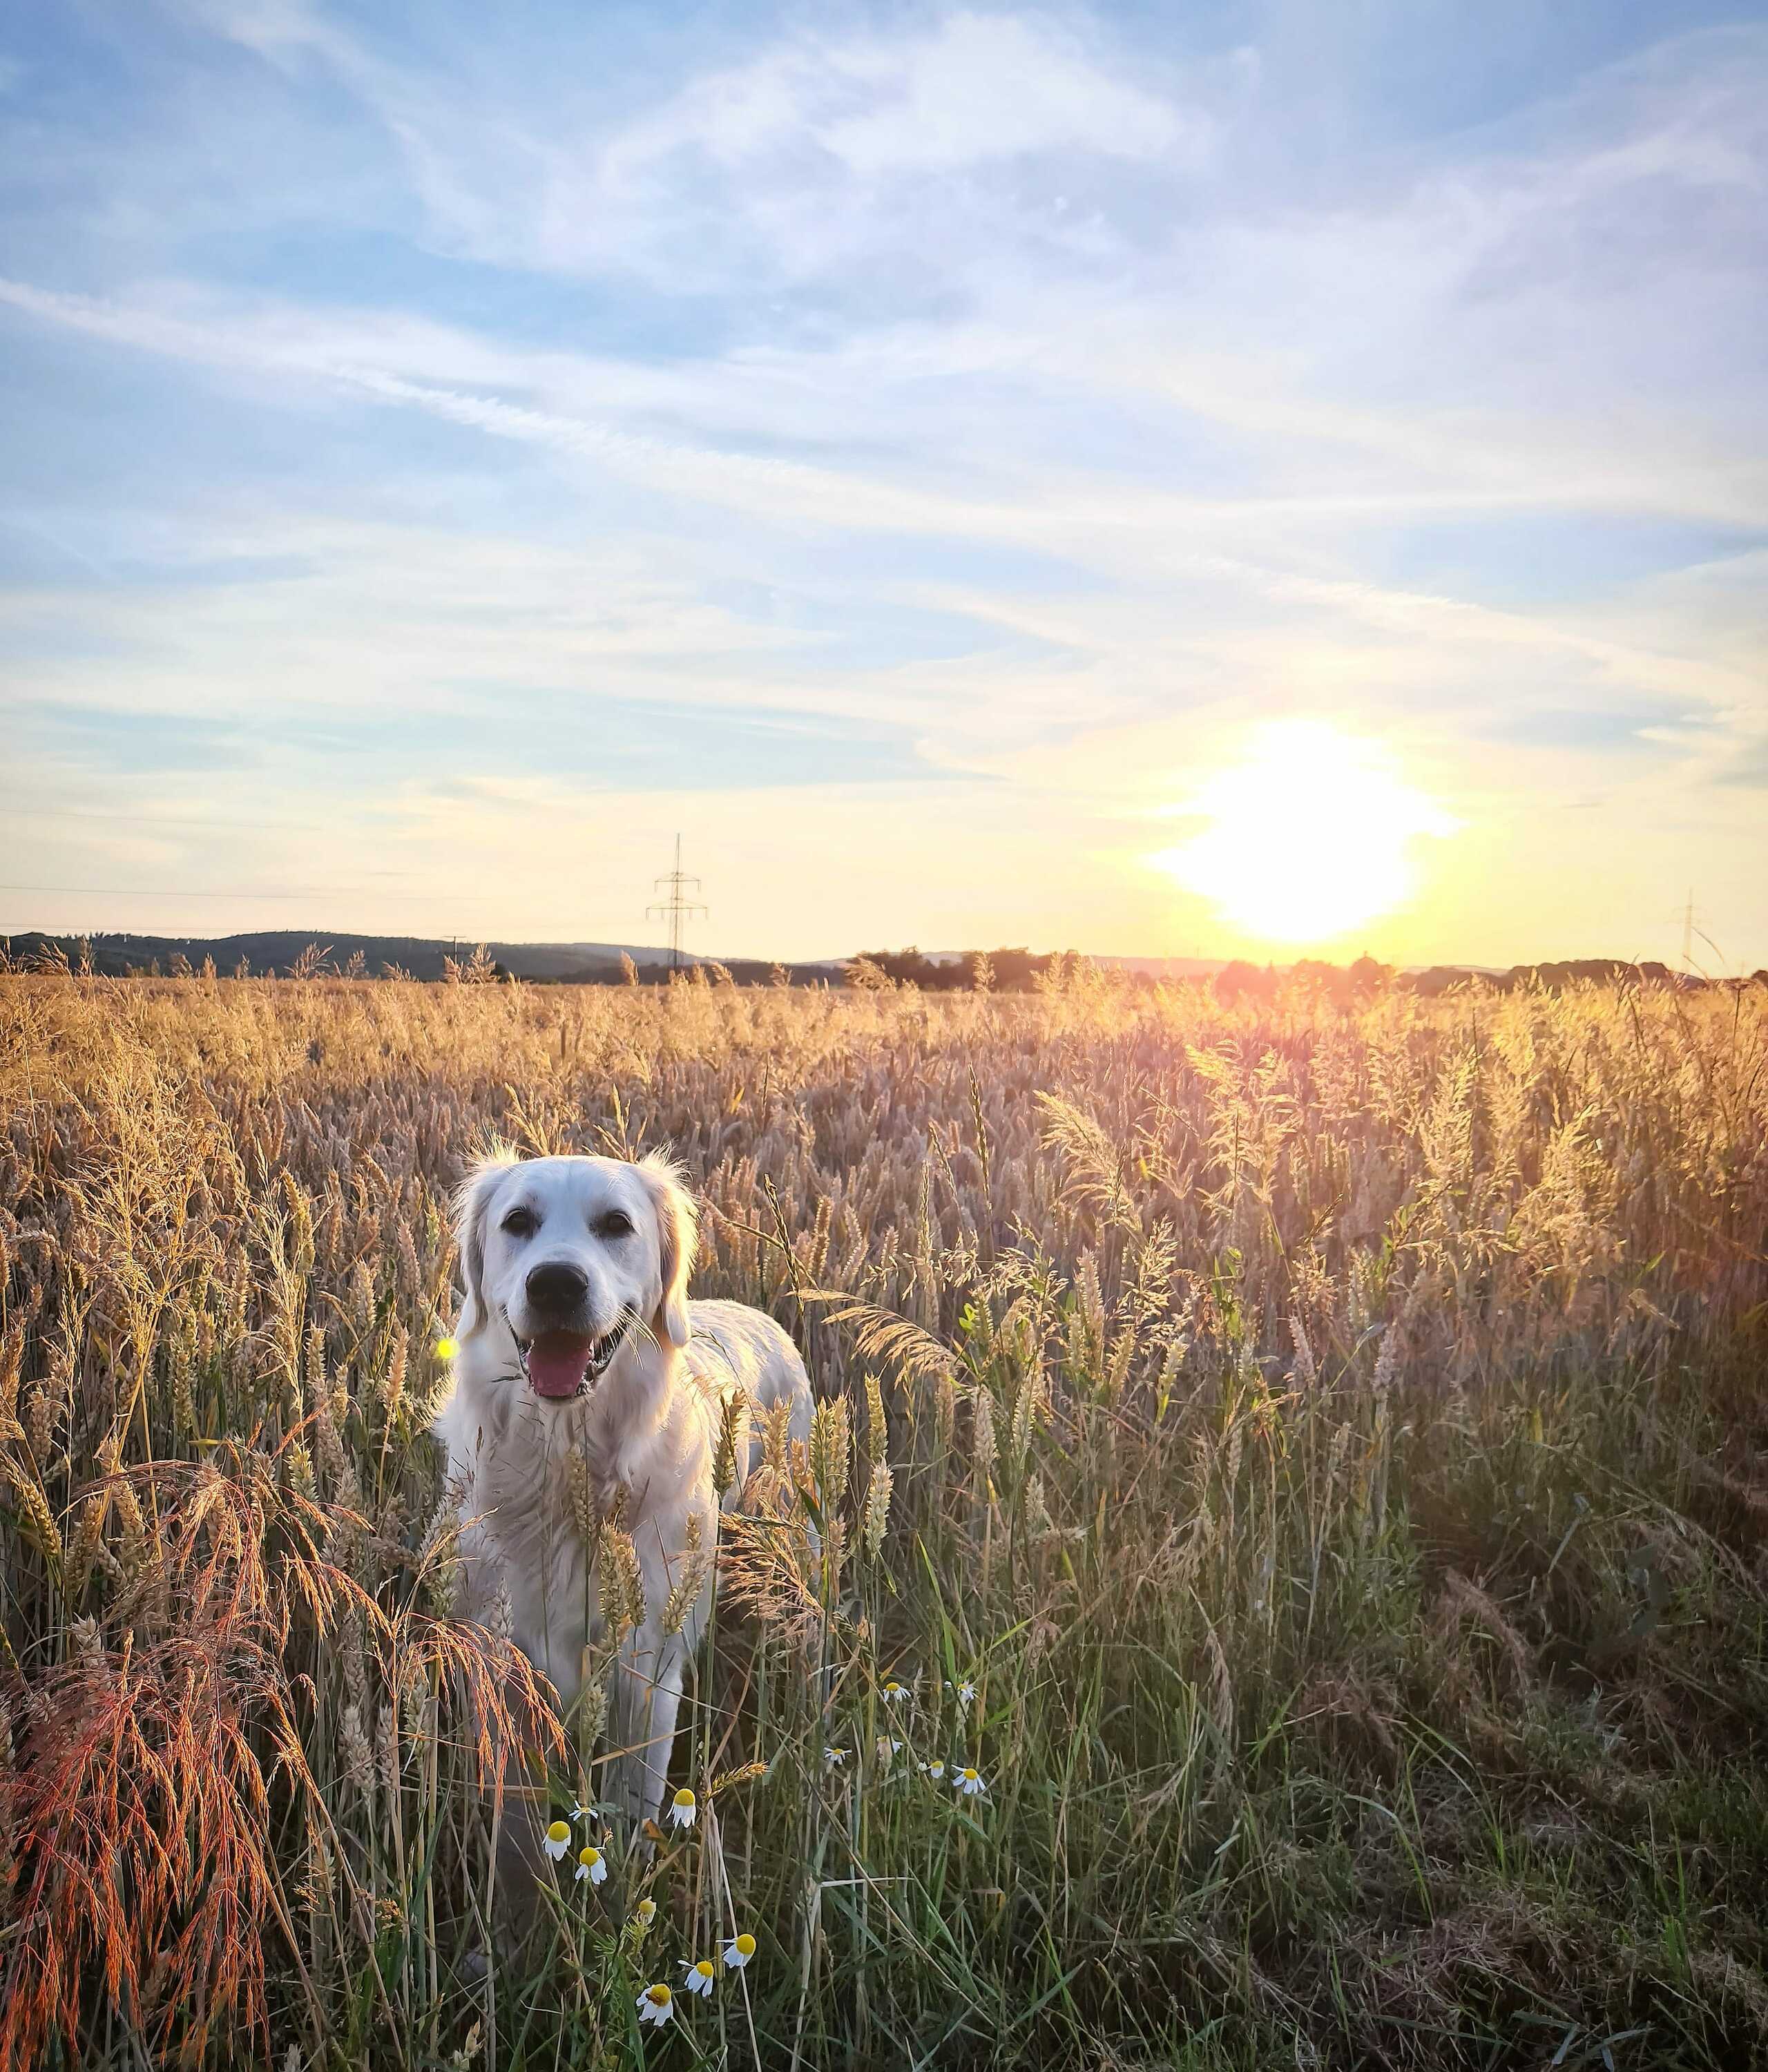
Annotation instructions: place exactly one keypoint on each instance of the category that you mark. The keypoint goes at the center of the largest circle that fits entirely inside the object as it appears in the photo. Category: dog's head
(574, 1254)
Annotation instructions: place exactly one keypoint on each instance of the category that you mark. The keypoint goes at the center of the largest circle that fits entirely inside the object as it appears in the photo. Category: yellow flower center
(559, 1832)
(704, 1967)
(589, 1858)
(969, 1776)
(646, 1912)
(659, 1995)
(745, 1946)
(684, 1797)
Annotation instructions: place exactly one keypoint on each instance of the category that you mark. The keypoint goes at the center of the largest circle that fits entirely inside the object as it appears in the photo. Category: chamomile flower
(738, 1951)
(655, 2004)
(889, 1749)
(590, 1865)
(684, 1808)
(643, 1914)
(697, 1977)
(556, 1841)
(934, 1771)
(895, 1693)
(966, 1697)
(969, 1784)
(834, 1757)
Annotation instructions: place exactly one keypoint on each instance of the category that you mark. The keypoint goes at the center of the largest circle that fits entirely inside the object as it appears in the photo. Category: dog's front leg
(648, 1683)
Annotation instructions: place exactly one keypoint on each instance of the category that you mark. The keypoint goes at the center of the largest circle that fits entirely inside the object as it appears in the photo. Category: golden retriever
(576, 1335)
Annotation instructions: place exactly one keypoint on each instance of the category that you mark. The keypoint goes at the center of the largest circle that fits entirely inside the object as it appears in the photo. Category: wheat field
(1305, 1462)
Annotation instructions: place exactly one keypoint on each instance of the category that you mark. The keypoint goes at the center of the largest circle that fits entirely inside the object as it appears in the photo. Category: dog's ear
(663, 1181)
(472, 1199)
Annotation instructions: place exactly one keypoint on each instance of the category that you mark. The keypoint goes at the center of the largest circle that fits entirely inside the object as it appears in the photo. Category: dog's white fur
(648, 1424)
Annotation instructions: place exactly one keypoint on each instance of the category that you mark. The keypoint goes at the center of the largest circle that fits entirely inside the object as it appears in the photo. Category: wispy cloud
(1043, 398)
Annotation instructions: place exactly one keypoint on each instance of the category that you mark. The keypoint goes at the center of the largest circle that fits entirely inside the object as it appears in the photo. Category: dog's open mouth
(561, 1364)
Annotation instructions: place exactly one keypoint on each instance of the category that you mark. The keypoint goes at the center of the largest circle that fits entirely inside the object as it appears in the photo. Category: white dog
(577, 1332)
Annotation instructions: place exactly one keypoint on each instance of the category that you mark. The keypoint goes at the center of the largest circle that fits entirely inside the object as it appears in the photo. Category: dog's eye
(615, 1224)
(521, 1222)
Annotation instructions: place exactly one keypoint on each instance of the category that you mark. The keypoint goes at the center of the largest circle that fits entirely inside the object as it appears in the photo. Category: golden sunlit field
(1307, 1463)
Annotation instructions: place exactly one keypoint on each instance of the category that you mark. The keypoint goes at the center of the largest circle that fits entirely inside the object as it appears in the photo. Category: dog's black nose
(558, 1288)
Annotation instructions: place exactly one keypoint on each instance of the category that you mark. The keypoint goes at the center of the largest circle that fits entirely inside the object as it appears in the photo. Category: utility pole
(676, 907)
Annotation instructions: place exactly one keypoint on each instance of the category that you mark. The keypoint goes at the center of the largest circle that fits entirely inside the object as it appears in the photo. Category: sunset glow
(1311, 834)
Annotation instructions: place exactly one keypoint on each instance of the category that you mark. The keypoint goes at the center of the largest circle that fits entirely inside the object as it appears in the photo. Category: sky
(1207, 480)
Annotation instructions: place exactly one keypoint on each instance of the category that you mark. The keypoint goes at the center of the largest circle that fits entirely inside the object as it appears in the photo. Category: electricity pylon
(677, 907)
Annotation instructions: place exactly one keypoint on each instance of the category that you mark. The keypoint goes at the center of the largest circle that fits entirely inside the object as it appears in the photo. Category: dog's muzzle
(560, 1365)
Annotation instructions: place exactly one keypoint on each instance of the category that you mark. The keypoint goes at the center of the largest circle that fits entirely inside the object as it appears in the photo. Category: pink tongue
(556, 1363)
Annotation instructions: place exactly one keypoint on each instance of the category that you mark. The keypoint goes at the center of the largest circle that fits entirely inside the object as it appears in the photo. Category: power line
(677, 908)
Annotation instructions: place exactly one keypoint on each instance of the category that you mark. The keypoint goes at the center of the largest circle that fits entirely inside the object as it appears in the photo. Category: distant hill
(1568, 971)
(274, 952)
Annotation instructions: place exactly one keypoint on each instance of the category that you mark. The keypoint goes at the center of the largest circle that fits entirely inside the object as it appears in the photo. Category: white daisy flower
(643, 1914)
(683, 1808)
(834, 1757)
(698, 1977)
(966, 1697)
(969, 1784)
(895, 1693)
(556, 1841)
(889, 1749)
(655, 2004)
(935, 1770)
(738, 1951)
(590, 1865)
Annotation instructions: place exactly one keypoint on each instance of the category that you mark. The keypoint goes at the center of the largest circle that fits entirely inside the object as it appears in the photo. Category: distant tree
(1429, 984)
(1241, 980)
(1015, 969)
(906, 968)
(1316, 980)
(1368, 978)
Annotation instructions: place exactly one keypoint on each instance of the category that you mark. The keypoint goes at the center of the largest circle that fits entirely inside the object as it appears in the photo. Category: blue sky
(909, 451)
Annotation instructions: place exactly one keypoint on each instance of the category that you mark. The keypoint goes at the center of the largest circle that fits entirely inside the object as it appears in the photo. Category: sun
(1307, 838)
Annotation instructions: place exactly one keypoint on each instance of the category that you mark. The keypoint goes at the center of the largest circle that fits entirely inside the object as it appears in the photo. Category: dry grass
(1307, 1463)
